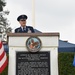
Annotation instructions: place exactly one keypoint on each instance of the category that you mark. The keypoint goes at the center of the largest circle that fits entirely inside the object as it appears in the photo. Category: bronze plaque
(28, 63)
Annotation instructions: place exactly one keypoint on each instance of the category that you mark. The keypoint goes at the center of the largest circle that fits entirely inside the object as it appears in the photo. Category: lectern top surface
(33, 34)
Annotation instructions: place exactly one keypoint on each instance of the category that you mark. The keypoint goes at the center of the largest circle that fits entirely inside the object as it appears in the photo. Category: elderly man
(23, 28)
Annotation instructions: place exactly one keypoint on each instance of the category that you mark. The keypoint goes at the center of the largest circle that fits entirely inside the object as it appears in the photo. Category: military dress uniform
(27, 29)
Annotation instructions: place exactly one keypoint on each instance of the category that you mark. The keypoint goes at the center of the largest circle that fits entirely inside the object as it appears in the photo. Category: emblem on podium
(33, 44)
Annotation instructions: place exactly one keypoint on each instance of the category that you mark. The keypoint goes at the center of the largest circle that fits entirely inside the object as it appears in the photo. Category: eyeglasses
(22, 20)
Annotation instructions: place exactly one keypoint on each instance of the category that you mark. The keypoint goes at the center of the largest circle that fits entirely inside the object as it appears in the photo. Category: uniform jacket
(28, 29)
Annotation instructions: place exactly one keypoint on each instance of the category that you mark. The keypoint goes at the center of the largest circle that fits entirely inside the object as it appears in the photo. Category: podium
(42, 61)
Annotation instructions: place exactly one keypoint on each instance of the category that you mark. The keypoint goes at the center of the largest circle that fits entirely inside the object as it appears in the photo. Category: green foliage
(65, 64)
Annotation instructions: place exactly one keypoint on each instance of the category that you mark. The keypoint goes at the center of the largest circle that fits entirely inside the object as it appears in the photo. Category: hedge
(66, 64)
(65, 61)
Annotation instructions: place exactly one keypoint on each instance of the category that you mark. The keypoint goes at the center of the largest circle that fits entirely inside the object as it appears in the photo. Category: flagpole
(33, 13)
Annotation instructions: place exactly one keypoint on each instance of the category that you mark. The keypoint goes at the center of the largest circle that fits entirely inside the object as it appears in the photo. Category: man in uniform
(23, 28)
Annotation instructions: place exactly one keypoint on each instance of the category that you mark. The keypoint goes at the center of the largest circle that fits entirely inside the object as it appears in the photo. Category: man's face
(22, 22)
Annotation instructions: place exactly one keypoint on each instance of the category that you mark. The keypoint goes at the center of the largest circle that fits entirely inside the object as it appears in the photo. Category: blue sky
(50, 16)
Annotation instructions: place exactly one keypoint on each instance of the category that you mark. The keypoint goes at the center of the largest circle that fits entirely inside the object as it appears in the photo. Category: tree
(4, 23)
(3, 20)
(2, 4)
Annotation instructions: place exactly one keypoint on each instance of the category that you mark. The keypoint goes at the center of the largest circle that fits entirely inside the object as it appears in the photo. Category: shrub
(65, 62)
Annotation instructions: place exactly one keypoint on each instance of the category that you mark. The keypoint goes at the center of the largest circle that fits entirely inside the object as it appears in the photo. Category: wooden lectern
(24, 62)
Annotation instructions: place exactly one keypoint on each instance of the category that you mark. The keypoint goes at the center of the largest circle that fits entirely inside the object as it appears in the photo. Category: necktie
(24, 29)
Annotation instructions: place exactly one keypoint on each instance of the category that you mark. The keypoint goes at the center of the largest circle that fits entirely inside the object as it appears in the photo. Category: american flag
(3, 58)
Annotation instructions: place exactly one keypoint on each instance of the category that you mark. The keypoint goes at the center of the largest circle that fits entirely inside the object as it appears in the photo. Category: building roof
(65, 44)
(37, 31)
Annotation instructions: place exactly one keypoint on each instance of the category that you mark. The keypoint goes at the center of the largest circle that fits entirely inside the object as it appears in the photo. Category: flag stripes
(3, 66)
(0, 44)
(3, 58)
(1, 50)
